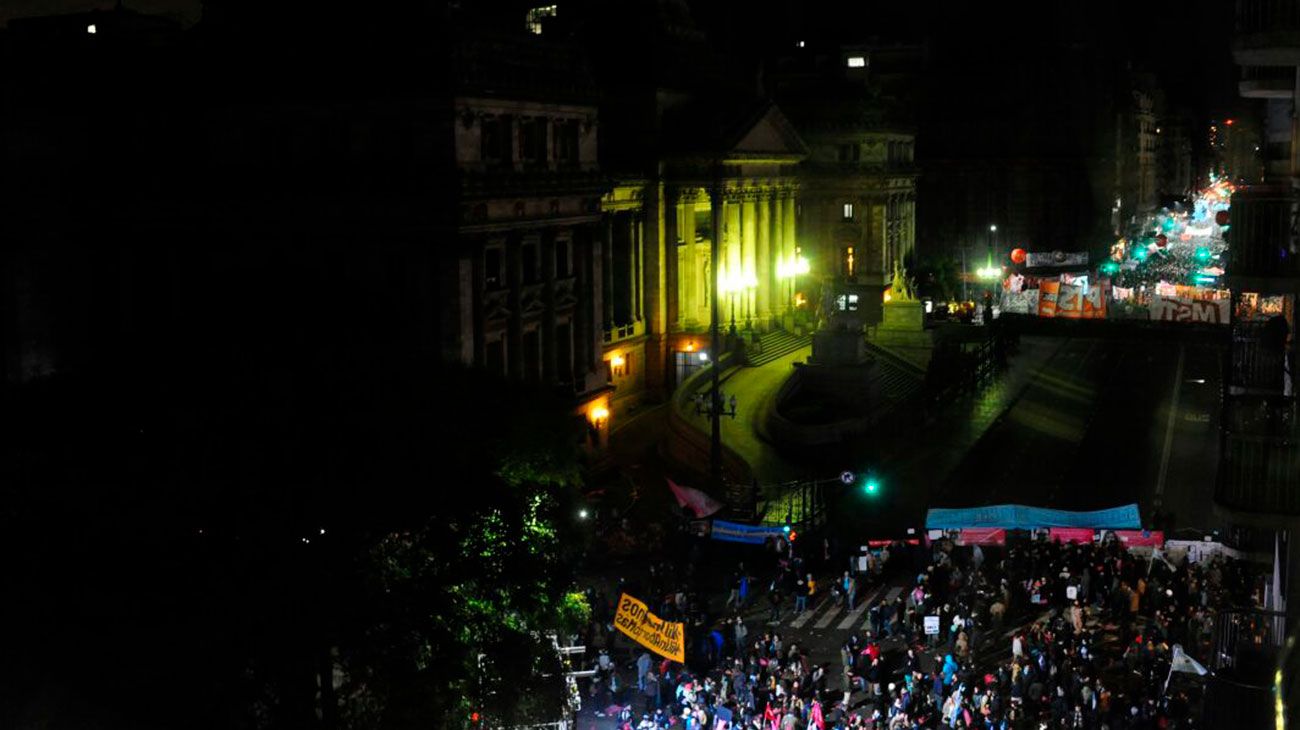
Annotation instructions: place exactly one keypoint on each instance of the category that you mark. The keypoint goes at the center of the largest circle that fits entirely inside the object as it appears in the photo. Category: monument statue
(901, 290)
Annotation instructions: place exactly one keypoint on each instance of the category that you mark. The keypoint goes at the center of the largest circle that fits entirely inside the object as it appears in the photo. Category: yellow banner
(662, 637)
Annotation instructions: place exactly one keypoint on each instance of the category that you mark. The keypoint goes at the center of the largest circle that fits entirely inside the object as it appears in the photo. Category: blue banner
(750, 534)
(1020, 517)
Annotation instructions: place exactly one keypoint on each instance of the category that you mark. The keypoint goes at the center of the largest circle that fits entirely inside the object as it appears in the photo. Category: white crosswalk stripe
(827, 617)
(856, 614)
(803, 618)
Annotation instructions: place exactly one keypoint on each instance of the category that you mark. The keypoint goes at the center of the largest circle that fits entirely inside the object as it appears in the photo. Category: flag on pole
(1278, 599)
(1158, 554)
(1183, 663)
(698, 502)
(1180, 662)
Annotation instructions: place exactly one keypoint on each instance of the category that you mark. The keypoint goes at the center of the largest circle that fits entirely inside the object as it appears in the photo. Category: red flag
(698, 502)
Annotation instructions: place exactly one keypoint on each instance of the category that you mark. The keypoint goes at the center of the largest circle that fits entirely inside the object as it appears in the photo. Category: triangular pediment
(769, 135)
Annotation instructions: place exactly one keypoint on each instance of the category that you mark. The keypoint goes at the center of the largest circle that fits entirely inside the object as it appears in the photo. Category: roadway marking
(802, 618)
(1169, 430)
(827, 617)
(856, 613)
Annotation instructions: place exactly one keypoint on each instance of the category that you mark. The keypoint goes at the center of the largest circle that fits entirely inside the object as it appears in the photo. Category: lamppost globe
(582, 514)
(993, 227)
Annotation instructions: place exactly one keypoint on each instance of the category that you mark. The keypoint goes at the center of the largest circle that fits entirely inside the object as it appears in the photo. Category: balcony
(620, 332)
(1267, 33)
(1257, 364)
(1267, 82)
(1260, 467)
(1260, 240)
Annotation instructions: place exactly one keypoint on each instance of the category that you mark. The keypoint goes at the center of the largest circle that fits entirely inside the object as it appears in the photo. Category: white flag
(1183, 663)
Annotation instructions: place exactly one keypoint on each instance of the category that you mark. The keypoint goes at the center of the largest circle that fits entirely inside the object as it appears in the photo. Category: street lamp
(791, 269)
(734, 284)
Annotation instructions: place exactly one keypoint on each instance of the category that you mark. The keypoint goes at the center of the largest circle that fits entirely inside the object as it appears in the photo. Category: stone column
(788, 221)
(636, 242)
(784, 251)
(652, 292)
(749, 246)
(670, 292)
(734, 259)
(690, 305)
(594, 303)
(766, 272)
(605, 251)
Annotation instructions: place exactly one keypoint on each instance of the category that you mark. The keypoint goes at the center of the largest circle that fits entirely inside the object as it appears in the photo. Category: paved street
(1103, 422)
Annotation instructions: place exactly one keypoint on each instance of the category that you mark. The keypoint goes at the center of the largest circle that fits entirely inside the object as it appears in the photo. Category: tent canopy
(1020, 517)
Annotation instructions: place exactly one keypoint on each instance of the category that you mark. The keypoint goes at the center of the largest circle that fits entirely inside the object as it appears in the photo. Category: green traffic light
(872, 486)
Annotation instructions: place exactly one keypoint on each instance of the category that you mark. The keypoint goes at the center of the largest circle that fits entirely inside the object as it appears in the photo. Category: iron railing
(1263, 16)
(1262, 236)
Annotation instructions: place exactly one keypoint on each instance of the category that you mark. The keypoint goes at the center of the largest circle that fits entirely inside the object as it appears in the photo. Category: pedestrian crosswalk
(802, 617)
(828, 611)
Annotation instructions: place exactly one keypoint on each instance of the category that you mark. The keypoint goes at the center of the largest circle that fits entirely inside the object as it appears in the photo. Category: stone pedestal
(838, 347)
(903, 316)
(902, 331)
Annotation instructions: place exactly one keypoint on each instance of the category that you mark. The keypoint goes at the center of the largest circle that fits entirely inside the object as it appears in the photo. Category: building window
(562, 263)
(532, 140)
(528, 262)
(566, 142)
(492, 268)
(848, 264)
(848, 211)
(495, 143)
(847, 302)
(850, 152)
(857, 62)
(536, 16)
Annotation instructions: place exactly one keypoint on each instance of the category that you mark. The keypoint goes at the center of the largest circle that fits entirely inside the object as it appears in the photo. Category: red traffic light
(474, 718)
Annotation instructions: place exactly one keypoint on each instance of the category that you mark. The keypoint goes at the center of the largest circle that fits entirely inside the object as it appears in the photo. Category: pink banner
(698, 502)
(983, 536)
(1137, 538)
(1070, 534)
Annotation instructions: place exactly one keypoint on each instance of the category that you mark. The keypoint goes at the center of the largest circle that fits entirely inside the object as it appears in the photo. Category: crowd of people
(1039, 634)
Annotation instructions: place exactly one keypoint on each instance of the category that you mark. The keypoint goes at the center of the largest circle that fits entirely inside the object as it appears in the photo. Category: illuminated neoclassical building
(694, 147)
(740, 183)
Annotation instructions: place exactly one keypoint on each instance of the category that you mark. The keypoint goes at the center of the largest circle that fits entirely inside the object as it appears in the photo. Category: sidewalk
(754, 388)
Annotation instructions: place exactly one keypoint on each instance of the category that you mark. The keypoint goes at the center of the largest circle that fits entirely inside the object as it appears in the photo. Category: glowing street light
(734, 283)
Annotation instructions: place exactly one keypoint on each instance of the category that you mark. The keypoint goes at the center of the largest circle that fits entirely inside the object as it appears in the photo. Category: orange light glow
(598, 415)
(690, 347)
(1228, 122)
(617, 361)
(887, 296)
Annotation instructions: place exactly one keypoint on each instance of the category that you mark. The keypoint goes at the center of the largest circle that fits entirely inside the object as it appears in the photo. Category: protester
(1093, 648)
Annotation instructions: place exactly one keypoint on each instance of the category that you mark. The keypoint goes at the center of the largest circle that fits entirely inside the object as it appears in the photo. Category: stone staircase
(897, 383)
(773, 346)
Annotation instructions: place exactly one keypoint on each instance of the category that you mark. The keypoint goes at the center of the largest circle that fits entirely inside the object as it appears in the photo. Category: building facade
(524, 284)
(1258, 488)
